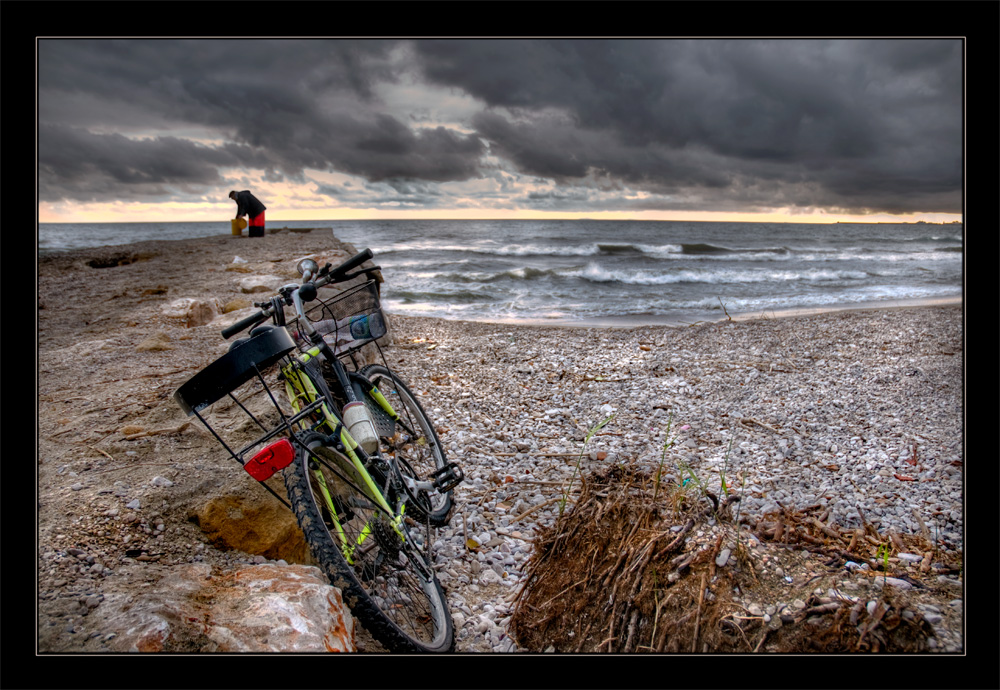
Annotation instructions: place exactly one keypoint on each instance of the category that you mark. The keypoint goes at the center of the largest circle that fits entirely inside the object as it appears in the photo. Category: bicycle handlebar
(354, 261)
(335, 275)
(244, 324)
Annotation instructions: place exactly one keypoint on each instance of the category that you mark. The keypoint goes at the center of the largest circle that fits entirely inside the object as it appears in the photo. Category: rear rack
(245, 423)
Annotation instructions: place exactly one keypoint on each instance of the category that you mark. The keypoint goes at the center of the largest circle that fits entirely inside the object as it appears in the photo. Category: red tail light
(274, 457)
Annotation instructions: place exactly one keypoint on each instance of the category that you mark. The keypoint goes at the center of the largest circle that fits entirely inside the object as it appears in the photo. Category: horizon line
(272, 222)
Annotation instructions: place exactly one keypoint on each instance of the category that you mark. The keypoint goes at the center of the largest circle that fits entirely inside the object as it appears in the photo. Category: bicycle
(363, 468)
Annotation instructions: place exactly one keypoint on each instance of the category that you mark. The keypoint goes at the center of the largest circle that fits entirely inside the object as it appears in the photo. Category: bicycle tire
(416, 457)
(386, 581)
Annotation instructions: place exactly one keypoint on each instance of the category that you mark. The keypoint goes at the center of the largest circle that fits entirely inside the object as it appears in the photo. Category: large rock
(155, 343)
(255, 523)
(260, 283)
(192, 312)
(259, 608)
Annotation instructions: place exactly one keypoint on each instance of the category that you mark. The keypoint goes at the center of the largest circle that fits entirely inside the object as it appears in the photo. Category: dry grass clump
(621, 573)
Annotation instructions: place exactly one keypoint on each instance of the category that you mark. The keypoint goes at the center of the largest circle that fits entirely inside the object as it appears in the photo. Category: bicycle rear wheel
(378, 564)
(411, 440)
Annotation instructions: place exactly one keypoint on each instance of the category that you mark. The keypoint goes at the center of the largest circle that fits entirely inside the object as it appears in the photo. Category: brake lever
(360, 272)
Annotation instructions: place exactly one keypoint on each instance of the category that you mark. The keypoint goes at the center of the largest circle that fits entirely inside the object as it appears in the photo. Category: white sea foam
(600, 274)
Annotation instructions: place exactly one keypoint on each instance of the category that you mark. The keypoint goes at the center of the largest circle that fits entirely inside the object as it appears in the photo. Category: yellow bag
(238, 225)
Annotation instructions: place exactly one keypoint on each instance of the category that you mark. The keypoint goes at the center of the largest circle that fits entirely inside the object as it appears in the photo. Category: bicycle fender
(233, 369)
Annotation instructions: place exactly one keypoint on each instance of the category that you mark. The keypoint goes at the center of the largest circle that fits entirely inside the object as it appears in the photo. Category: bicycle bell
(307, 266)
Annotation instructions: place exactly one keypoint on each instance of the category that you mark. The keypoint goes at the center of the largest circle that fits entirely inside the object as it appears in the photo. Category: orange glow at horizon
(223, 212)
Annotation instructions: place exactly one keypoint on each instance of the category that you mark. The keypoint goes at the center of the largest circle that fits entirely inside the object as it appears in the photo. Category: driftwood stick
(869, 529)
(821, 609)
(715, 554)
(155, 432)
(583, 637)
(529, 511)
(697, 620)
(101, 452)
(767, 631)
(631, 632)
(825, 530)
(896, 540)
(677, 541)
(852, 556)
(854, 540)
(924, 532)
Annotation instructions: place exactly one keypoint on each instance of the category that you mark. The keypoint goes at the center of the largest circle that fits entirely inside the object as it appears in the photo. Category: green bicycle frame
(299, 388)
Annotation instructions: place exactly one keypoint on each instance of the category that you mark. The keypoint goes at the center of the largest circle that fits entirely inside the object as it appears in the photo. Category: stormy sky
(315, 127)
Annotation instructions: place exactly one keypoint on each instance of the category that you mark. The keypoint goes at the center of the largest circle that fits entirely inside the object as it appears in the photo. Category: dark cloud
(875, 124)
(387, 149)
(84, 166)
(860, 125)
(285, 106)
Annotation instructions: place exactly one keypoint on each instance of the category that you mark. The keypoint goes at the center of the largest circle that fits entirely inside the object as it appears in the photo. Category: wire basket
(347, 321)
(231, 397)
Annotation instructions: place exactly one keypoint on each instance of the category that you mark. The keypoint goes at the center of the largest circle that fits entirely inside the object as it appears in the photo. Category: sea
(605, 272)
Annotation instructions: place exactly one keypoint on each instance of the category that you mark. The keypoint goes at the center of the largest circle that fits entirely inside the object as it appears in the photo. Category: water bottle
(360, 426)
(359, 327)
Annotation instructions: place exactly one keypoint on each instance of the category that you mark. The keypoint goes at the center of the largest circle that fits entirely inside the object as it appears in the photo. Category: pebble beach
(858, 411)
(849, 410)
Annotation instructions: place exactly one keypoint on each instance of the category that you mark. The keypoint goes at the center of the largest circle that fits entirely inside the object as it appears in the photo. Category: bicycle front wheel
(411, 440)
(378, 564)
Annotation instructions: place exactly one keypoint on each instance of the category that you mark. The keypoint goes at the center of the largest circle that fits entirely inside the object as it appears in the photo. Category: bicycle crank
(447, 478)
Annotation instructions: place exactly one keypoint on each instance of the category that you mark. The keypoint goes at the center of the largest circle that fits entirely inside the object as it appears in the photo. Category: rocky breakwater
(148, 534)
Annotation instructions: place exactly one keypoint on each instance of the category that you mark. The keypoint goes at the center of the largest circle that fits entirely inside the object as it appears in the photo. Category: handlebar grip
(244, 324)
(354, 261)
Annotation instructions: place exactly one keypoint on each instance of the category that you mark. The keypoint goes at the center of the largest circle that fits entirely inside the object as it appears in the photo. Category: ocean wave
(410, 297)
(485, 277)
(600, 274)
(872, 293)
(703, 248)
(698, 248)
(595, 249)
(937, 238)
(688, 250)
(877, 256)
(619, 249)
(597, 273)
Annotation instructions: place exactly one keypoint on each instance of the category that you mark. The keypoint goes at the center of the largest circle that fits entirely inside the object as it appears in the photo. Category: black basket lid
(232, 370)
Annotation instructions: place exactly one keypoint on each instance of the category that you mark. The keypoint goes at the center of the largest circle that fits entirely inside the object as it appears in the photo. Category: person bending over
(249, 205)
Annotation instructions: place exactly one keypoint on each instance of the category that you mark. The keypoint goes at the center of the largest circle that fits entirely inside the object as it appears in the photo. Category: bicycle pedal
(447, 478)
